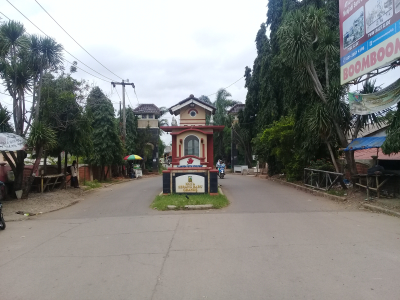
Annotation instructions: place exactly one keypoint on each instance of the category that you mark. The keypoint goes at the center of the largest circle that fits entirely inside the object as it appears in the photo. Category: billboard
(369, 36)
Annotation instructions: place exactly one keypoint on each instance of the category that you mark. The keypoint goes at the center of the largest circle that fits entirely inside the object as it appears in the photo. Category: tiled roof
(367, 153)
(236, 108)
(147, 109)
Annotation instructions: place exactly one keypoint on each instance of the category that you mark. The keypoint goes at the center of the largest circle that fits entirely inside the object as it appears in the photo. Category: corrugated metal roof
(366, 143)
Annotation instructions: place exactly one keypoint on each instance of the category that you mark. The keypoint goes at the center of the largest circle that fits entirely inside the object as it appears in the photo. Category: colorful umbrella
(133, 157)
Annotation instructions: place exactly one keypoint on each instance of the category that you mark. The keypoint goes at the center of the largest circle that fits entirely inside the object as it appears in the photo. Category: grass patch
(92, 184)
(179, 200)
(339, 193)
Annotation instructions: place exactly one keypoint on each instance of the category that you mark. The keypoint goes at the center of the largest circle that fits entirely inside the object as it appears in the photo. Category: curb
(191, 207)
(380, 209)
(311, 191)
(220, 190)
(39, 214)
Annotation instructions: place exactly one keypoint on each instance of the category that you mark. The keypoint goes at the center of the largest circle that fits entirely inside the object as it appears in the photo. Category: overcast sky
(169, 49)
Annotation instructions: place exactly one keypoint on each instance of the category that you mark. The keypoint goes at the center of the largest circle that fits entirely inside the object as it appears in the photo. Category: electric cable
(224, 87)
(134, 89)
(128, 98)
(118, 94)
(64, 48)
(76, 41)
(5, 16)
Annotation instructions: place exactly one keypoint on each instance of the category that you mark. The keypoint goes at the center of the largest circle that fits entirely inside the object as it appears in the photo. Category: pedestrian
(74, 176)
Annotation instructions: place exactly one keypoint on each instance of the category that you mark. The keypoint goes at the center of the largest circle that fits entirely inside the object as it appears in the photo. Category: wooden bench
(48, 182)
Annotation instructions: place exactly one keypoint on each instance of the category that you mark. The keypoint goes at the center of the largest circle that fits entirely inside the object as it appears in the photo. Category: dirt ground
(37, 203)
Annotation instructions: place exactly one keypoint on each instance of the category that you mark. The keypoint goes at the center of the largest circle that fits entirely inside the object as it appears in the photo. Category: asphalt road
(272, 242)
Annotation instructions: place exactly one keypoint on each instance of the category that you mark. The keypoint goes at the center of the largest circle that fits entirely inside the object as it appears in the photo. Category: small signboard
(190, 184)
(11, 142)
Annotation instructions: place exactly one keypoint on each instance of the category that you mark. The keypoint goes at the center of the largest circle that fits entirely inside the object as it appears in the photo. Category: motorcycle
(221, 171)
(2, 222)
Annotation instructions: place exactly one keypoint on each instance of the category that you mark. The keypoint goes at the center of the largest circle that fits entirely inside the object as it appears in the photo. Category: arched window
(192, 145)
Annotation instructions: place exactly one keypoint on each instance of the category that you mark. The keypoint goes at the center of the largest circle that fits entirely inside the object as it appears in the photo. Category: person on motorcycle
(218, 164)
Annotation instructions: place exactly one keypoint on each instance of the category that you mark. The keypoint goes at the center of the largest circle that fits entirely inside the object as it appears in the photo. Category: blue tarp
(366, 143)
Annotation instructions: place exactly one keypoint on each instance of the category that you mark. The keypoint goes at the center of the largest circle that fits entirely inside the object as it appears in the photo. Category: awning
(366, 143)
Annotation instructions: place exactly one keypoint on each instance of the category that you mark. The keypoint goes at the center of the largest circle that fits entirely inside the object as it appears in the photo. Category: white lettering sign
(11, 142)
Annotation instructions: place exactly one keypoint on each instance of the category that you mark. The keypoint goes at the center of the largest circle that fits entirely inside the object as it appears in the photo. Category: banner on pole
(364, 104)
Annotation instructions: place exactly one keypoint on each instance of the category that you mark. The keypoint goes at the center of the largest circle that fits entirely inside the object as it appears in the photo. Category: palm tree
(16, 75)
(305, 38)
(14, 68)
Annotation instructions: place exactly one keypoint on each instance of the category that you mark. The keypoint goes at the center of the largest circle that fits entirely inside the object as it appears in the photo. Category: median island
(162, 202)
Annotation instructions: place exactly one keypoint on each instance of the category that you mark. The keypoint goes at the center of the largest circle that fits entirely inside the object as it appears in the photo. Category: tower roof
(174, 110)
(147, 109)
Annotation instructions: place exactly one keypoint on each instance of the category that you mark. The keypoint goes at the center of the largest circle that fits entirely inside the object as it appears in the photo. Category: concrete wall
(142, 123)
(187, 119)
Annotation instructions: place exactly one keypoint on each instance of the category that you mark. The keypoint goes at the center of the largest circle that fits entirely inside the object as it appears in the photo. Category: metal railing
(322, 180)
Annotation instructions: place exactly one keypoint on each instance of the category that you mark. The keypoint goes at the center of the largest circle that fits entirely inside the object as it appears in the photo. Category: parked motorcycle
(221, 172)
(2, 222)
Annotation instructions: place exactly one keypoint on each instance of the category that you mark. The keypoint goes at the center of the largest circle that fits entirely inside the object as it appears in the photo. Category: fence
(322, 180)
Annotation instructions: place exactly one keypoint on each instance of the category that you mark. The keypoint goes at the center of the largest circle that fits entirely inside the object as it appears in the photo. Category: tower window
(192, 146)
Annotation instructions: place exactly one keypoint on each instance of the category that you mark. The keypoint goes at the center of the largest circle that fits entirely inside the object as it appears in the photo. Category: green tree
(275, 146)
(107, 145)
(48, 57)
(16, 75)
(41, 137)
(131, 131)
(60, 109)
(392, 142)
(5, 117)
(222, 139)
(307, 38)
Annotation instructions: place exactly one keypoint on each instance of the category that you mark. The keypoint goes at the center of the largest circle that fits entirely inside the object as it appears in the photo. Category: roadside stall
(134, 170)
(380, 173)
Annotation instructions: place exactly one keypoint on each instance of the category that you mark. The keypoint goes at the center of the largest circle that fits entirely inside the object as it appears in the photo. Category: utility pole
(123, 83)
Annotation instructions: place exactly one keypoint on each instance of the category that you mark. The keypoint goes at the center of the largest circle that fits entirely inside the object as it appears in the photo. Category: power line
(129, 98)
(134, 89)
(118, 94)
(5, 15)
(64, 48)
(224, 87)
(85, 71)
(76, 41)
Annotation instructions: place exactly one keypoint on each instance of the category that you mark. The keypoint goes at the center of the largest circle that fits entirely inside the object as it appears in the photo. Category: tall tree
(131, 131)
(48, 57)
(306, 38)
(17, 77)
(107, 145)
